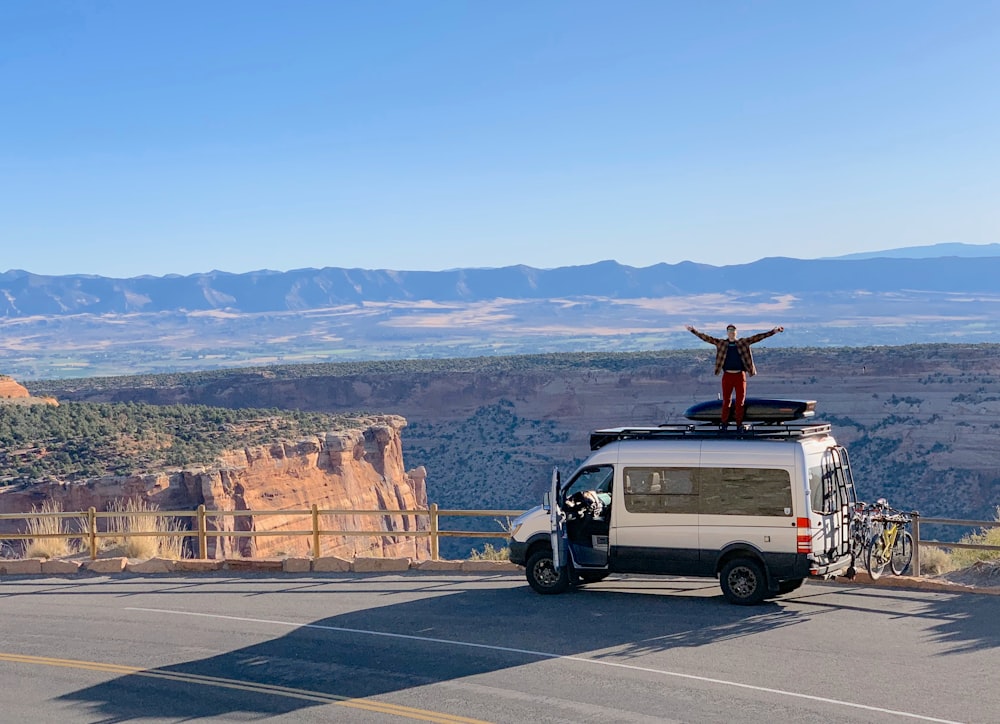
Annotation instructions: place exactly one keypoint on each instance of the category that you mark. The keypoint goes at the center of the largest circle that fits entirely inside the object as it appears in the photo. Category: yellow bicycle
(891, 545)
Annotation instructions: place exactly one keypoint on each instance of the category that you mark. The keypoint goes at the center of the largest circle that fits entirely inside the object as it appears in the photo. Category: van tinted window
(745, 491)
(710, 491)
(661, 490)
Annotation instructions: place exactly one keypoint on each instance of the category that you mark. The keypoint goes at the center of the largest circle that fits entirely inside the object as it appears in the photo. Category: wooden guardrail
(200, 529)
(918, 541)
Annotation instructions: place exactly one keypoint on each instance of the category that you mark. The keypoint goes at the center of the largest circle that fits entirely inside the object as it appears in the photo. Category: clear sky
(181, 136)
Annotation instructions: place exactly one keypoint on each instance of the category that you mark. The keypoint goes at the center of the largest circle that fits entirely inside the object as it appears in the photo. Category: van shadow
(451, 634)
(445, 636)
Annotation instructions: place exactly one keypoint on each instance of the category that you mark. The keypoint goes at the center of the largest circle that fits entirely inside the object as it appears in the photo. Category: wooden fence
(203, 525)
(201, 529)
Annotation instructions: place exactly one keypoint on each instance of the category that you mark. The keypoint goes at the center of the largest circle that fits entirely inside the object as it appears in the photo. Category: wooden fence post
(315, 520)
(92, 532)
(916, 543)
(434, 532)
(202, 536)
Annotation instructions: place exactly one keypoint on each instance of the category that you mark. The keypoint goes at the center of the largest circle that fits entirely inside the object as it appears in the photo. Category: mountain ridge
(23, 294)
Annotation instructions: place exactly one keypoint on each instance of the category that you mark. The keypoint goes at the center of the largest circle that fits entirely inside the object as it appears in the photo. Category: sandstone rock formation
(11, 389)
(347, 470)
(11, 392)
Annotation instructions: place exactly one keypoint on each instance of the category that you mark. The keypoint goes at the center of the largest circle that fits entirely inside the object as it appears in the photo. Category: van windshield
(597, 478)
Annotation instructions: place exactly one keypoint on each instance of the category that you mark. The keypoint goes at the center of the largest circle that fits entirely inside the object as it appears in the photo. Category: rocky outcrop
(10, 389)
(11, 392)
(359, 469)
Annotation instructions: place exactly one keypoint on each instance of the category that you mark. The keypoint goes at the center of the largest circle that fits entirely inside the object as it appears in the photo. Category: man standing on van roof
(734, 360)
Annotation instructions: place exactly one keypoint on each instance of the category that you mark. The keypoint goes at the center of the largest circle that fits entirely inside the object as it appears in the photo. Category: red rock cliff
(357, 469)
(10, 389)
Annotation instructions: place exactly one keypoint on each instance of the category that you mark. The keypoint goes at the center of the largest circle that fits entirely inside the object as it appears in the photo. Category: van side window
(661, 490)
(709, 491)
(745, 491)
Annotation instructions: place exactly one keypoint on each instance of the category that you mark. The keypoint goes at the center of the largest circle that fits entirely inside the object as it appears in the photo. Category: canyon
(355, 469)
(920, 421)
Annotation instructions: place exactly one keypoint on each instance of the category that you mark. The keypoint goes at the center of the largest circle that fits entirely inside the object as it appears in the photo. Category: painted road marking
(547, 655)
(254, 687)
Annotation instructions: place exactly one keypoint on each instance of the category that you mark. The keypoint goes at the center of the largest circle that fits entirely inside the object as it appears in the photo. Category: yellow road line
(259, 688)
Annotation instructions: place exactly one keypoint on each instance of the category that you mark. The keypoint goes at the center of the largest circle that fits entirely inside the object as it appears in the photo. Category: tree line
(78, 440)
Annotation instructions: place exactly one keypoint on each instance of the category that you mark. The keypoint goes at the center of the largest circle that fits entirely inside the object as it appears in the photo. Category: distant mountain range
(28, 295)
(85, 325)
(930, 252)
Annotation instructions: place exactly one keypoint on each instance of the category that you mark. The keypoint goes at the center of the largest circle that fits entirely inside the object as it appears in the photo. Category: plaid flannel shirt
(742, 344)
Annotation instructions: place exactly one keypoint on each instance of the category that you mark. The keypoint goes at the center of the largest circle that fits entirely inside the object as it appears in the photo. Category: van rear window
(708, 491)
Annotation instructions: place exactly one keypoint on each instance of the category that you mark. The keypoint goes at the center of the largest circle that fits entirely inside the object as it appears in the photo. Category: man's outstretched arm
(702, 336)
(763, 335)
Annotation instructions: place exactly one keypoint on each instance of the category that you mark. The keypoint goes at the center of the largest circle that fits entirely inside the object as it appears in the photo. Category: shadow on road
(451, 634)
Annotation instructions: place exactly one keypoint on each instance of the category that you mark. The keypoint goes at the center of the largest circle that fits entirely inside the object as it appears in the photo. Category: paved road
(461, 648)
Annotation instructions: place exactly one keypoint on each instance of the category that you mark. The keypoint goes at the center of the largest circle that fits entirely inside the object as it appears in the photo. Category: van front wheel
(743, 582)
(542, 575)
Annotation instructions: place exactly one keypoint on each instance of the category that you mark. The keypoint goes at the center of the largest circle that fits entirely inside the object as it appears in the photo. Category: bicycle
(860, 529)
(891, 545)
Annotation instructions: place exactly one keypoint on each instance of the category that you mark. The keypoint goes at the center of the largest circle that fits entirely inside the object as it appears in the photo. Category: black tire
(542, 576)
(592, 576)
(876, 556)
(792, 584)
(743, 582)
(902, 553)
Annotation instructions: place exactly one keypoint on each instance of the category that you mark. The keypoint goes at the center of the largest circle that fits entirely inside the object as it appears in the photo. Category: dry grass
(131, 517)
(935, 561)
(963, 558)
(47, 522)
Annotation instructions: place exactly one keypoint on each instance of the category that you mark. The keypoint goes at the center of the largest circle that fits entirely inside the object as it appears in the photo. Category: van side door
(655, 519)
(747, 500)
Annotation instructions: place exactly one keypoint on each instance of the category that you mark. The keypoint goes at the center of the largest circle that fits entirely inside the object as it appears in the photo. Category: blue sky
(180, 137)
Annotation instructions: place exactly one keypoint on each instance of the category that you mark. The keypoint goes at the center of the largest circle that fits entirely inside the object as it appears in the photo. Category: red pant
(734, 382)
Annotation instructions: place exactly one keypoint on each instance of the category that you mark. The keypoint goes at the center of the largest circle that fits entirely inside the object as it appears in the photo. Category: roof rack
(763, 431)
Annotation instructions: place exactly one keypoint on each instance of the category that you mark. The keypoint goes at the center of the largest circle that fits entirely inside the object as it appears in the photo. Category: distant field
(85, 345)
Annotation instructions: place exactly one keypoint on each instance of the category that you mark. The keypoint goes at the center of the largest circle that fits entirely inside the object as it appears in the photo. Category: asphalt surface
(452, 647)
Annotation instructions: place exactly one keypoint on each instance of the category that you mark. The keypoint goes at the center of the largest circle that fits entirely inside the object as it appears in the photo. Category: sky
(184, 136)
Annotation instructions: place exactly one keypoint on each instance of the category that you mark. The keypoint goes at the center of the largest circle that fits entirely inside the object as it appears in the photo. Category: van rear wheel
(743, 582)
(542, 575)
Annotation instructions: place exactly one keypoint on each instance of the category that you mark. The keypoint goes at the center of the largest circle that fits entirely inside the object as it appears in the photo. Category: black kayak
(756, 409)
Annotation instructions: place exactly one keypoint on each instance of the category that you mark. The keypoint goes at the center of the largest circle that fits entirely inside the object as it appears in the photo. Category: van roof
(600, 438)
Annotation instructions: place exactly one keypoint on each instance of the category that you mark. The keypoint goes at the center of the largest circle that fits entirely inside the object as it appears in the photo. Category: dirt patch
(982, 574)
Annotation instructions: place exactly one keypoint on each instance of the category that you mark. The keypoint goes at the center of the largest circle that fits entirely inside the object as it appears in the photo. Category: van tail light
(803, 536)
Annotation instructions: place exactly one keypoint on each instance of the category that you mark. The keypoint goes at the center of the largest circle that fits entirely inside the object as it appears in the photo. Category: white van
(761, 508)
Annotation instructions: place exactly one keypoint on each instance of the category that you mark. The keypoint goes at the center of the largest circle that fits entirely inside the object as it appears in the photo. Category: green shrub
(963, 557)
(489, 553)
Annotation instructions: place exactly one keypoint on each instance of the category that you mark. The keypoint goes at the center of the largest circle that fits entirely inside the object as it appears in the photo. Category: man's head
(731, 331)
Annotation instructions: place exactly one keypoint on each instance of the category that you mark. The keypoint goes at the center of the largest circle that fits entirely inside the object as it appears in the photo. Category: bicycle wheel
(902, 553)
(876, 556)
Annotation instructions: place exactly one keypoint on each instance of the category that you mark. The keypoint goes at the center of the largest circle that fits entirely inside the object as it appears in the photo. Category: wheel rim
(742, 582)
(545, 573)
